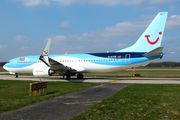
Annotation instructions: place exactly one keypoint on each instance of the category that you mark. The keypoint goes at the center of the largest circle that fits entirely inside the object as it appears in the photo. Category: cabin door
(14, 63)
(127, 59)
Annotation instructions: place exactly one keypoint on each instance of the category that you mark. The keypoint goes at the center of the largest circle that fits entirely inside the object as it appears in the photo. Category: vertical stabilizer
(152, 36)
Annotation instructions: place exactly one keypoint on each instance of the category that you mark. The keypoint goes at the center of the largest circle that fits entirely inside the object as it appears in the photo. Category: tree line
(164, 64)
(2, 63)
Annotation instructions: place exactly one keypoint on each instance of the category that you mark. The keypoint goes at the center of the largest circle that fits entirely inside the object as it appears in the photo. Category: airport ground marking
(124, 79)
(116, 80)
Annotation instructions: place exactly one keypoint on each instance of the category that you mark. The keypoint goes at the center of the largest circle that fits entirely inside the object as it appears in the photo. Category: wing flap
(56, 65)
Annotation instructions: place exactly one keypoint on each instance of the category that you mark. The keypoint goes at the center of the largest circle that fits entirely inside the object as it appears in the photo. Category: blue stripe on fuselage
(118, 54)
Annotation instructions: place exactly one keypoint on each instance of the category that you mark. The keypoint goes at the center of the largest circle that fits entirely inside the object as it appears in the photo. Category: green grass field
(144, 67)
(2, 70)
(137, 102)
(15, 94)
(144, 73)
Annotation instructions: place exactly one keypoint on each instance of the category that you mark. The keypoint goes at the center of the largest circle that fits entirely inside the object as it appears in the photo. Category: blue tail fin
(152, 36)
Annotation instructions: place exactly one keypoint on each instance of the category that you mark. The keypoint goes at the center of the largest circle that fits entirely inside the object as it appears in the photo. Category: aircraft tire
(16, 75)
(80, 76)
(66, 77)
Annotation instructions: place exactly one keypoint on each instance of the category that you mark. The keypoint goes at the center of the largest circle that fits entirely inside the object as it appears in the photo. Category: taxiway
(131, 80)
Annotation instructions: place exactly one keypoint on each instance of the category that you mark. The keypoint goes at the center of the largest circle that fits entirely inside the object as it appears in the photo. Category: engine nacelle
(43, 72)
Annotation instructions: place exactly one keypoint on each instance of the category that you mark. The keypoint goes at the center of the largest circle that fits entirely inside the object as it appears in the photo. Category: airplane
(147, 49)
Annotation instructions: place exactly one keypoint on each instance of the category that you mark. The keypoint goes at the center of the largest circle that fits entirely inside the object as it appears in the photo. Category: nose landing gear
(16, 75)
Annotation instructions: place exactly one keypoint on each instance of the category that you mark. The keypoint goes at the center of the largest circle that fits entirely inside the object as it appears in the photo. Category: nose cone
(5, 67)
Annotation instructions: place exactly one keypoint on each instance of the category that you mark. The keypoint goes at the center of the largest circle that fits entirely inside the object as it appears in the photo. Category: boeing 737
(147, 49)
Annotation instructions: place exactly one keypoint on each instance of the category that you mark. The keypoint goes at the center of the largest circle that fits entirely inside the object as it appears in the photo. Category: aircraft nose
(5, 67)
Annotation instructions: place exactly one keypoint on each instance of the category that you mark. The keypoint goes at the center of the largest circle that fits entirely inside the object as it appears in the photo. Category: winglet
(46, 49)
(44, 56)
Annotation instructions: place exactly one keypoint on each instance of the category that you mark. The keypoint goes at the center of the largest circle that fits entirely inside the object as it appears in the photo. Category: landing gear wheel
(80, 76)
(16, 75)
(66, 77)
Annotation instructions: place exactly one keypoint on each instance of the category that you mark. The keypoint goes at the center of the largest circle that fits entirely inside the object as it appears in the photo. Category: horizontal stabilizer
(155, 52)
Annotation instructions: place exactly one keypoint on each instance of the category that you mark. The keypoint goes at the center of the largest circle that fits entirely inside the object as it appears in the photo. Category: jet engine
(43, 72)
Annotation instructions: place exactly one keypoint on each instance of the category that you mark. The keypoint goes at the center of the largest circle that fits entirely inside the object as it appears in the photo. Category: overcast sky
(83, 26)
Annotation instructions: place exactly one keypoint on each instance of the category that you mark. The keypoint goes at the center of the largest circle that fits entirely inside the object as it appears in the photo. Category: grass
(142, 67)
(15, 94)
(2, 70)
(143, 73)
(137, 102)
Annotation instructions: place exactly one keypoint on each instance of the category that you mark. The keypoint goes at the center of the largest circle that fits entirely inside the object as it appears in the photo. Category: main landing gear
(16, 75)
(66, 77)
(80, 76)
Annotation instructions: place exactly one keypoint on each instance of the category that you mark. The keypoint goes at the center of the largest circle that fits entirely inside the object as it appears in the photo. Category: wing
(58, 66)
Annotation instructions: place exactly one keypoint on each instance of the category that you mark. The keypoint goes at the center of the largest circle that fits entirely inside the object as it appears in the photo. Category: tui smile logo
(152, 43)
(46, 52)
